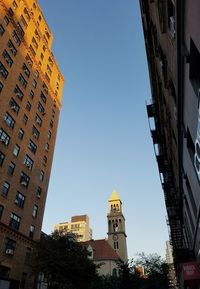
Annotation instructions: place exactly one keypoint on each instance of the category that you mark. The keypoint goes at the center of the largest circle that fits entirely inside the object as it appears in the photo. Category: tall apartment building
(30, 101)
(172, 39)
(79, 226)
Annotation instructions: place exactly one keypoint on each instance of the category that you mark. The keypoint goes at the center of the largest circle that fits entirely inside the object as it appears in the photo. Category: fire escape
(172, 198)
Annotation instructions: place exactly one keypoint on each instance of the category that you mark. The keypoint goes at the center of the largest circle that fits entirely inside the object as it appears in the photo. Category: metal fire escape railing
(172, 199)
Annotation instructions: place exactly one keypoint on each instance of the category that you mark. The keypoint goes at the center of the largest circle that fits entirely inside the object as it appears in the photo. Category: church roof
(114, 196)
(101, 250)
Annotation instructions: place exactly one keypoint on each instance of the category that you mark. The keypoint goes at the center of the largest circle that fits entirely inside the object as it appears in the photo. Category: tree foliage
(64, 263)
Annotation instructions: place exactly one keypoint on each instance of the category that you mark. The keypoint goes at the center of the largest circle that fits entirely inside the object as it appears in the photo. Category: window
(9, 120)
(51, 123)
(29, 61)
(32, 50)
(38, 192)
(14, 4)
(194, 73)
(34, 84)
(35, 132)
(45, 160)
(25, 119)
(116, 245)
(16, 150)
(22, 80)
(26, 70)
(39, 17)
(27, 14)
(44, 48)
(171, 18)
(4, 137)
(18, 92)
(14, 221)
(7, 58)
(5, 189)
(46, 147)
(1, 86)
(38, 120)
(34, 43)
(21, 134)
(14, 106)
(37, 35)
(50, 61)
(16, 38)
(2, 30)
(45, 88)
(1, 211)
(28, 162)
(49, 135)
(41, 108)
(12, 48)
(23, 21)
(36, 73)
(35, 211)
(53, 113)
(31, 232)
(28, 106)
(42, 56)
(10, 246)
(11, 168)
(19, 199)
(2, 158)
(42, 174)
(32, 146)
(43, 97)
(47, 77)
(24, 179)
(45, 39)
(31, 94)
(6, 20)
(3, 70)
(49, 70)
(20, 29)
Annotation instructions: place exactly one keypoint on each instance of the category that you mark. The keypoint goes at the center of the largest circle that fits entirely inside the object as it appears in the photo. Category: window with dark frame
(35, 133)
(2, 158)
(35, 211)
(16, 38)
(19, 199)
(3, 70)
(14, 221)
(11, 168)
(2, 30)
(1, 86)
(16, 150)
(9, 120)
(28, 162)
(22, 80)
(32, 146)
(24, 179)
(20, 133)
(4, 137)
(194, 73)
(26, 70)
(7, 58)
(12, 48)
(14, 106)
(5, 189)
(18, 92)
(1, 211)
(32, 231)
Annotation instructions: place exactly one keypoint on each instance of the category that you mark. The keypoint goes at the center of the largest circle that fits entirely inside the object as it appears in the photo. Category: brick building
(30, 101)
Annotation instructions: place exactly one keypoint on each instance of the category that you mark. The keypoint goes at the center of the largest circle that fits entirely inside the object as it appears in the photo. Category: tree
(155, 271)
(64, 263)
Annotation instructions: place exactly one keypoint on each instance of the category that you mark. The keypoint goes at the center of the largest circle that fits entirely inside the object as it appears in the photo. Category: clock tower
(116, 226)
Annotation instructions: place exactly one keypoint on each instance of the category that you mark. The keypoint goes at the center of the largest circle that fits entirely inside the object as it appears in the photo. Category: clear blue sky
(103, 141)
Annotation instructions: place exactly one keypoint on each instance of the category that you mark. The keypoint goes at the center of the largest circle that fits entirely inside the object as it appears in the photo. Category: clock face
(115, 237)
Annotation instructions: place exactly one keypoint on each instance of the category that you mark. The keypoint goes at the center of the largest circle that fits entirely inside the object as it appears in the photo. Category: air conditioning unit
(23, 183)
(9, 251)
(172, 25)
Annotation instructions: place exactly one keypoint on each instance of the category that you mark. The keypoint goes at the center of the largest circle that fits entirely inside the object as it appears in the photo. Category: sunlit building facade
(172, 39)
(30, 101)
(79, 226)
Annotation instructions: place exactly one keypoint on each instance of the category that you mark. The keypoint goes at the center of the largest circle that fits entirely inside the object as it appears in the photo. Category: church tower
(116, 226)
